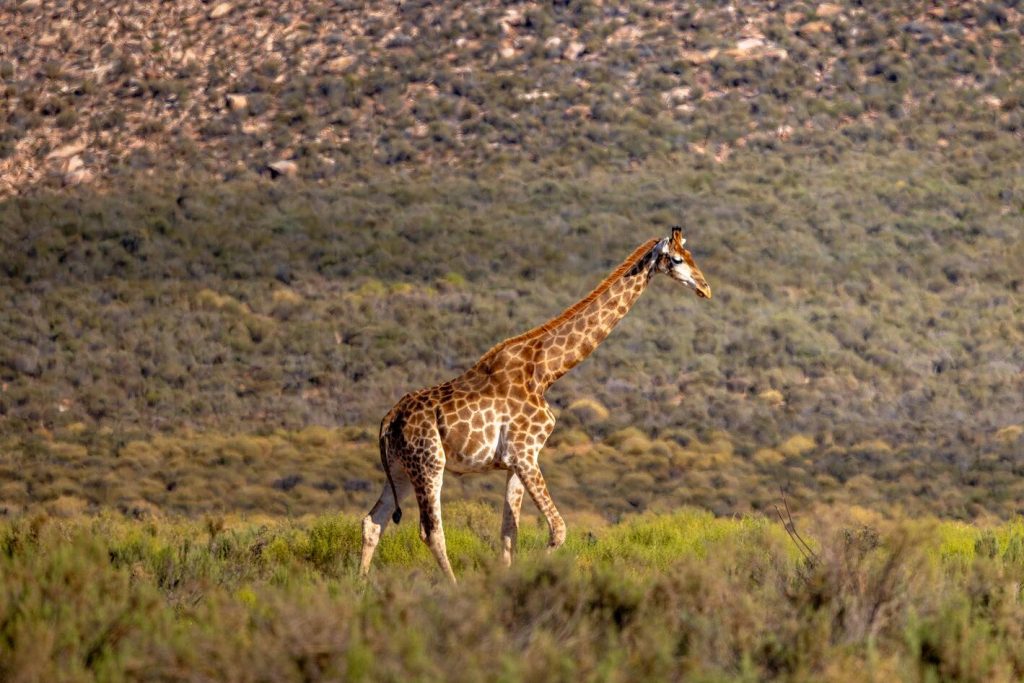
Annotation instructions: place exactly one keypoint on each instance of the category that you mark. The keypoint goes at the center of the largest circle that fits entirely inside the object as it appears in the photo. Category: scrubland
(657, 597)
(223, 259)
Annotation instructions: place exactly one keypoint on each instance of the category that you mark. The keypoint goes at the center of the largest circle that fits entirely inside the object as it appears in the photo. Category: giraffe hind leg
(428, 495)
(377, 520)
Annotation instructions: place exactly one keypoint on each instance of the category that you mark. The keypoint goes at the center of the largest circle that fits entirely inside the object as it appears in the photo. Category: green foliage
(662, 597)
(863, 300)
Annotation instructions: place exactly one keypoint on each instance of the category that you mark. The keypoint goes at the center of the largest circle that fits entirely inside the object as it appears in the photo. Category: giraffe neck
(565, 341)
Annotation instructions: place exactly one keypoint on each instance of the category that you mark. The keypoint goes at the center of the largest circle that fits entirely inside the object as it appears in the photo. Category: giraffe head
(677, 262)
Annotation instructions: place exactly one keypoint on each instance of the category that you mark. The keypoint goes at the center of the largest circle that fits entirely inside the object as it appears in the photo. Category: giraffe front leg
(533, 480)
(428, 495)
(514, 490)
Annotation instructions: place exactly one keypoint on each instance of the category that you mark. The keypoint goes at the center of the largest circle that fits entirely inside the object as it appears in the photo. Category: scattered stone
(283, 167)
(221, 10)
(578, 111)
(48, 40)
(74, 163)
(535, 95)
(792, 18)
(513, 17)
(827, 10)
(79, 176)
(625, 35)
(237, 102)
(31, 4)
(755, 48)
(698, 57)
(339, 65)
(67, 151)
(507, 50)
(573, 50)
(814, 27)
(676, 96)
(419, 131)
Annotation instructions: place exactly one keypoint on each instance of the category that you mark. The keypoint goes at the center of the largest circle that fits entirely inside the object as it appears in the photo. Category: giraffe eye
(677, 259)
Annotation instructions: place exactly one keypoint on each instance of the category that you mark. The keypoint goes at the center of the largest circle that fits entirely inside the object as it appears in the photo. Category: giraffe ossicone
(494, 416)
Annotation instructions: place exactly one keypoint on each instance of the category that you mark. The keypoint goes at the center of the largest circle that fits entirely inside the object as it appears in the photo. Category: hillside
(187, 331)
(94, 92)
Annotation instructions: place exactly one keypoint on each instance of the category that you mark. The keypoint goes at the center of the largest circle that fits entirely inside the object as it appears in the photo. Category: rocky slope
(93, 90)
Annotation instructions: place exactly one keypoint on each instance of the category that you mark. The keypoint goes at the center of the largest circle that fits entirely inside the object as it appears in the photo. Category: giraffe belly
(475, 450)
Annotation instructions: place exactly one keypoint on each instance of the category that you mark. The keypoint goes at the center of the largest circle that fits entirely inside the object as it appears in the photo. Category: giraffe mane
(625, 267)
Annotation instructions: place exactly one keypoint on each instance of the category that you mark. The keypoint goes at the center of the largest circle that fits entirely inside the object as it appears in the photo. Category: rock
(748, 44)
(79, 176)
(827, 10)
(573, 50)
(283, 167)
(507, 50)
(755, 48)
(698, 57)
(814, 27)
(339, 65)
(512, 17)
(675, 96)
(791, 19)
(67, 151)
(419, 131)
(48, 40)
(74, 163)
(625, 35)
(221, 10)
(237, 102)
(31, 4)
(578, 111)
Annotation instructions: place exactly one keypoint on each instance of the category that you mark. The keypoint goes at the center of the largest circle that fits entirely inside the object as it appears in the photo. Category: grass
(652, 597)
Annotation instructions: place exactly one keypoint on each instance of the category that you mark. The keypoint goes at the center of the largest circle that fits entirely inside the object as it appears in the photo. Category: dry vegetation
(231, 238)
(657, 598)
(864, 343)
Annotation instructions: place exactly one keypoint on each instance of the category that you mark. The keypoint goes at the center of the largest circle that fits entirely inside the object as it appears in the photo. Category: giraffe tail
(389, 428)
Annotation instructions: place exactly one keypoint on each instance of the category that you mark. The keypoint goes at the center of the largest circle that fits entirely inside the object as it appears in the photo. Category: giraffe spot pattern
(494, 415)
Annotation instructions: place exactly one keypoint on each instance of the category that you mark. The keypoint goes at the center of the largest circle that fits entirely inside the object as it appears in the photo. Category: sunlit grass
(679, 594)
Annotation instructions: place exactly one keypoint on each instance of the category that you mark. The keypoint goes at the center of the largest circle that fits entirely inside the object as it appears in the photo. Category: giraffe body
(494, 415)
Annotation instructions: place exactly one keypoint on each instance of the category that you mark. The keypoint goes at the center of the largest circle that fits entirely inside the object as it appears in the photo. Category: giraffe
(494, 416)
